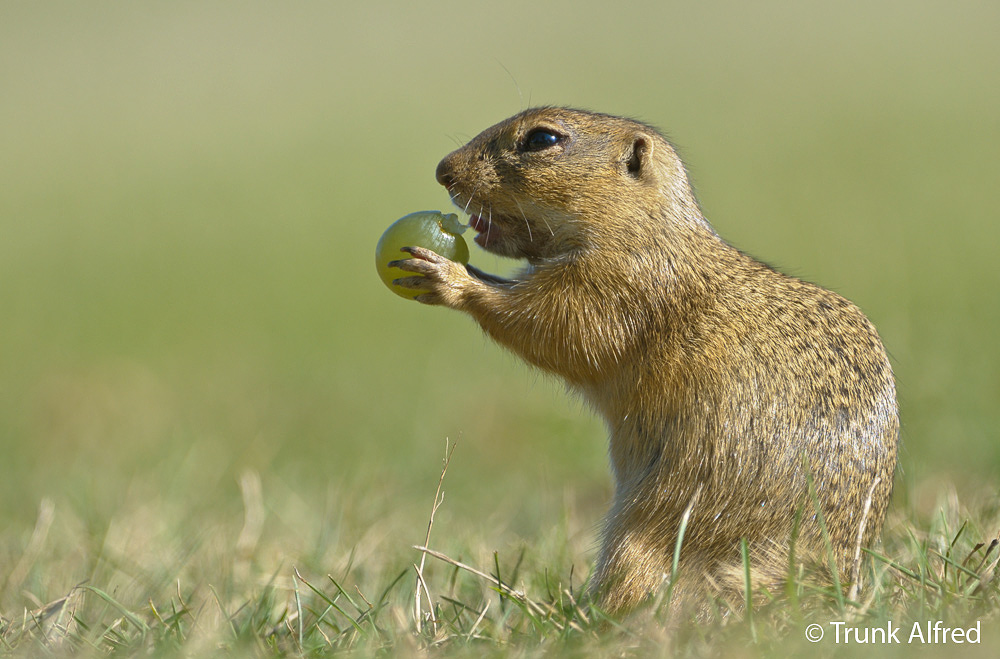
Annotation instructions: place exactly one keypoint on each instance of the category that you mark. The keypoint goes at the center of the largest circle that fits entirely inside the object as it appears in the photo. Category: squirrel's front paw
(443, 280)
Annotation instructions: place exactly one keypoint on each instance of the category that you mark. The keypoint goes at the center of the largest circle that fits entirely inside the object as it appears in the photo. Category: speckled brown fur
(722, 381)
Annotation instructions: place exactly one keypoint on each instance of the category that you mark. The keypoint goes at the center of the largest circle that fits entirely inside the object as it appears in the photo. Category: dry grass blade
(253, 523)
(852, 594)
(501, 586)
(421, 586)
(46, 513)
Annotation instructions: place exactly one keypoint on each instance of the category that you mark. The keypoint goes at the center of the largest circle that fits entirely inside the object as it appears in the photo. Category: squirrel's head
(553, 181)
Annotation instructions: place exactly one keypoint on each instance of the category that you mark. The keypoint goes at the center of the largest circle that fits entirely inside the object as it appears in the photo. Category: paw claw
(416, 283)
(424, 254)
(413, 265)
(426, 298)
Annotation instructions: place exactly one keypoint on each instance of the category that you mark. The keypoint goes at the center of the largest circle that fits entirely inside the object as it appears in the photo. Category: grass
(523, 603)
(218, 430)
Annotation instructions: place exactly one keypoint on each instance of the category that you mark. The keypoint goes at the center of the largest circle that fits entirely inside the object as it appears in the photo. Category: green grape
(431, 230)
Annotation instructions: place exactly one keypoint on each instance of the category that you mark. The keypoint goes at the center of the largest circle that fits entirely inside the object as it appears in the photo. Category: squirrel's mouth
(487, 230)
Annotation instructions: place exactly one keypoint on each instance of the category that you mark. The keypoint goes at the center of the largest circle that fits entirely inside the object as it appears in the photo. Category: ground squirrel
(725, 385)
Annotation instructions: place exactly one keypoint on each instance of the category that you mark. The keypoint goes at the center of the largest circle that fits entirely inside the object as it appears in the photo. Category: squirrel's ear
(637, 160)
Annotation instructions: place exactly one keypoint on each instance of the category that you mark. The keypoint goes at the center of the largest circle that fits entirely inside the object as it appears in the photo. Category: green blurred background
(190, 195)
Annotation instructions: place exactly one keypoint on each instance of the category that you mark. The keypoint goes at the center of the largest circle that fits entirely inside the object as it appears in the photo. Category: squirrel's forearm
(556, 334)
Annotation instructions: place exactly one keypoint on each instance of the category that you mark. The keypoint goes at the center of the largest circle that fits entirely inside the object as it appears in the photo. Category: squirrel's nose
(444, 173)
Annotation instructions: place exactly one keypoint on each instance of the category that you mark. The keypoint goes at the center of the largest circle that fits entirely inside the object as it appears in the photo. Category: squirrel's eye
(539, 139)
